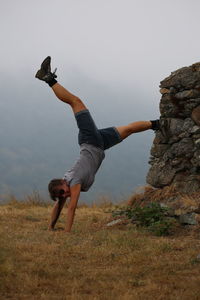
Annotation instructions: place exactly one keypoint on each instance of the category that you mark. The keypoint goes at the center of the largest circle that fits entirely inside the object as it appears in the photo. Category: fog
(112, 54)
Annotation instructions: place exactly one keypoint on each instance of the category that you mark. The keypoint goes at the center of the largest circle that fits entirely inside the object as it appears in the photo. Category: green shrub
(162, 227)
(153, 216)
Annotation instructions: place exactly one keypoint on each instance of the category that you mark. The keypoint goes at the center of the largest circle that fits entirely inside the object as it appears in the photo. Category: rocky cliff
(175, 154)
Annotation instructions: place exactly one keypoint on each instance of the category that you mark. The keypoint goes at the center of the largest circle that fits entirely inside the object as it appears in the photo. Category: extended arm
(56, 212)
(75, 193)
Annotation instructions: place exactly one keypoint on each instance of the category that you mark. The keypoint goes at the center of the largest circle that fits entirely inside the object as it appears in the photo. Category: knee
(128, 129)
(78, 104)
(78, 100)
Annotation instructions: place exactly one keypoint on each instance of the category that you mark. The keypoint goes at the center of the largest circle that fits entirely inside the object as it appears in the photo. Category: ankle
(155, 124)
(52, 82)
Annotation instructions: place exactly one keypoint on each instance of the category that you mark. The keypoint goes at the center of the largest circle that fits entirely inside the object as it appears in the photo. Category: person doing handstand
(93, 143)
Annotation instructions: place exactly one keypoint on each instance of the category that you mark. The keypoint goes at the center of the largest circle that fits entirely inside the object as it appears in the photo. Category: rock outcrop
(175, 154)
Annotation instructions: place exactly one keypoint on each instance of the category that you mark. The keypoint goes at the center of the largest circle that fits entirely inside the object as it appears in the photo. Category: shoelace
(54, 73)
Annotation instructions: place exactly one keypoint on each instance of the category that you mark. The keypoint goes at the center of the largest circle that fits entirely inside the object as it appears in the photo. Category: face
(63, 190)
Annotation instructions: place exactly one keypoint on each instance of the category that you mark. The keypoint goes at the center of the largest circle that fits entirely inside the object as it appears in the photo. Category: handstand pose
(93, 142)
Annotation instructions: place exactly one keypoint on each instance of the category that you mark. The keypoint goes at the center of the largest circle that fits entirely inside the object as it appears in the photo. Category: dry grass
(150, 194)
(168, 195)
(93, 262)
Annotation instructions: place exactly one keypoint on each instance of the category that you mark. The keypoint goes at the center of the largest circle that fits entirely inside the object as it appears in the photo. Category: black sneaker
(44, 73)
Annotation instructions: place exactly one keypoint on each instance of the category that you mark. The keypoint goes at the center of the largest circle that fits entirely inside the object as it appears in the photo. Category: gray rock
(186, 182)
(196, 136)
(160, 138)
(196, 115)
(196, 159)
(188, 94)
(176, 126)
(197, 143)
(168, 108)
(195, 129)
(160, 174)
(188, 124)
(186, 78)
(170, 210)
(188, 219)
(175, 153)
(189, 106)
(176, 161)
(158, 150)
(184, 148)
(115, 222)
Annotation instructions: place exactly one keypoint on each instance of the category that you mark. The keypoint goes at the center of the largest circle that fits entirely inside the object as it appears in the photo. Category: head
(58, 189)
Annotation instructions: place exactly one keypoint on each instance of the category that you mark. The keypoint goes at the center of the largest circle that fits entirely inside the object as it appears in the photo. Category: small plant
(162, 227)
(153, 216)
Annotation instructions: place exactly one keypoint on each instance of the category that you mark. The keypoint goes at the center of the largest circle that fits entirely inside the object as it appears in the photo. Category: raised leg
(134, 127)
(65, 96)
(45, 74)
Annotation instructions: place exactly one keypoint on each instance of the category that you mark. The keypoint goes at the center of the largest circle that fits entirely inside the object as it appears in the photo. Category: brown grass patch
(93, 262)
(168, 195)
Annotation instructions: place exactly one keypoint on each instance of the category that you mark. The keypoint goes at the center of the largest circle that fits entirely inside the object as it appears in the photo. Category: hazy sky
(111, 53)
(117, 40)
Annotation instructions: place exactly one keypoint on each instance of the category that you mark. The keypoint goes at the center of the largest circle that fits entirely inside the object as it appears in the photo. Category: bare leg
(65, 96)
(134, 127)
(77, 105)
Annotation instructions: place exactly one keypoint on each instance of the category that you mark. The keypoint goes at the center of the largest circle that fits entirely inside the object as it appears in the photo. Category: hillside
(94, 261)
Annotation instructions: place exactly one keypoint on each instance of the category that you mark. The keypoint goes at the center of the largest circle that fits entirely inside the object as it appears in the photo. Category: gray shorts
(90, 134)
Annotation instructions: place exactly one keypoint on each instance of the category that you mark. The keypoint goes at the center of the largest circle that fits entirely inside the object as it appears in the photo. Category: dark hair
(52, 187)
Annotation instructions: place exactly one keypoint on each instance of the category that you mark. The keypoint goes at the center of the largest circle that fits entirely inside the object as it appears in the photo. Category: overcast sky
(123, 40)
(111, 53)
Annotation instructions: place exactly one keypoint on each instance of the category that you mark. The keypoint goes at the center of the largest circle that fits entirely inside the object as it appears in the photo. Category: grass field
(94, 261)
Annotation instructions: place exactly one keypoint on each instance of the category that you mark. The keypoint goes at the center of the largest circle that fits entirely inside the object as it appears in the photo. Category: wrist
(51, 227)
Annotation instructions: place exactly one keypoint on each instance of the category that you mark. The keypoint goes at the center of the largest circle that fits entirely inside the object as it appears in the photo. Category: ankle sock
(52, 82)
(155, 124)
